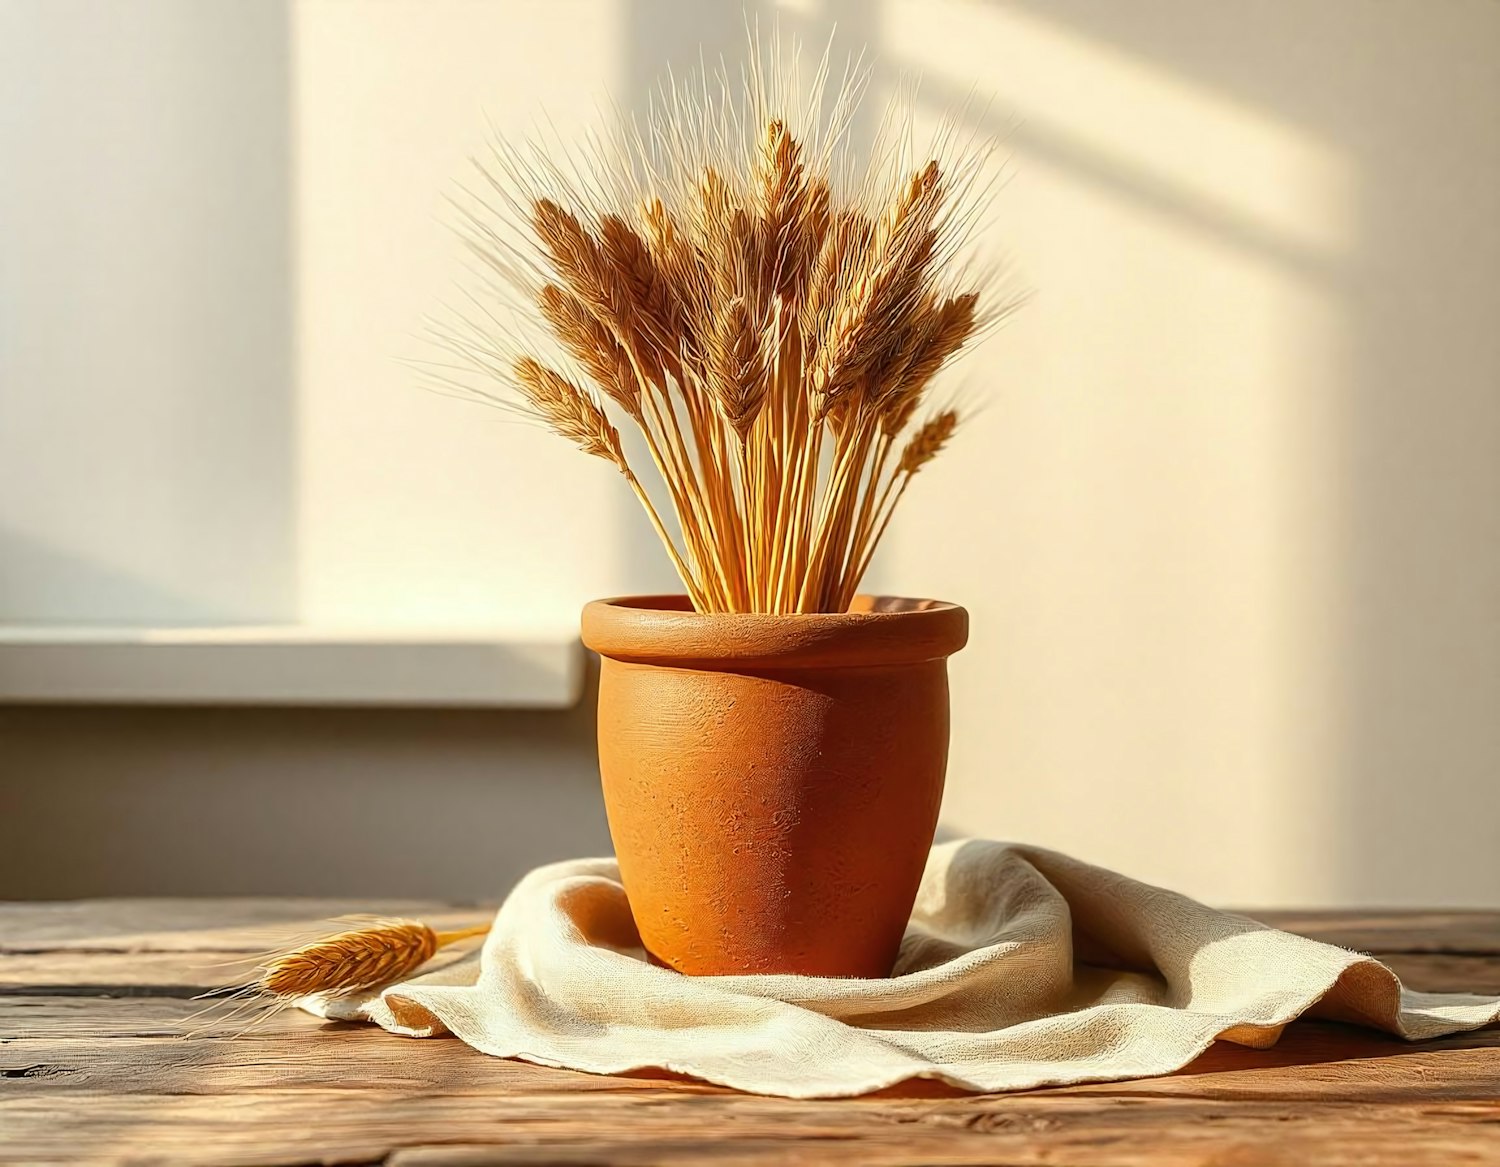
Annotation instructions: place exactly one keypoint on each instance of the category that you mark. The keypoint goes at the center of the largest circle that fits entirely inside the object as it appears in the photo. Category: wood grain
(1394, 931)
(94, 1068)
(197, 925)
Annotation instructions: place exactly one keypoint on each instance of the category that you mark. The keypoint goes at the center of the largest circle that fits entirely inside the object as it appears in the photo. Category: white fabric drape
(1021, 967)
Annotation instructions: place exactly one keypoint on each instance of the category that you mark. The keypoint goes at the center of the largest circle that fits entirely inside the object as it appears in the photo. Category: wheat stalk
(377, 952)
(350, 962)
(768, 325)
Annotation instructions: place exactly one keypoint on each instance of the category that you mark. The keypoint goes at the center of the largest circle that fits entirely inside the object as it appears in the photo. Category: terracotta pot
(772, 782)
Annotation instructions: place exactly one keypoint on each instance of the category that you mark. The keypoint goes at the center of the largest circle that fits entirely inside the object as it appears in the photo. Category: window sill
(291, 665)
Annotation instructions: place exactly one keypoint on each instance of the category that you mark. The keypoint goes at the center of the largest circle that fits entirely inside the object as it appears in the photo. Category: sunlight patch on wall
(1164, 130)
(415, 508)
(1146, 517)
(802, 8)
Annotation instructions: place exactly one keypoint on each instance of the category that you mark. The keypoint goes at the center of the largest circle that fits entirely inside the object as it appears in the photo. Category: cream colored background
(1227, 523)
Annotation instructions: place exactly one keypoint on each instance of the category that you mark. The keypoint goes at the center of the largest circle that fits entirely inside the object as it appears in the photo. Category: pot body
(773, 782)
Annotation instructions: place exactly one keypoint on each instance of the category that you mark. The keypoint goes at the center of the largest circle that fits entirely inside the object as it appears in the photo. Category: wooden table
(92, 1069)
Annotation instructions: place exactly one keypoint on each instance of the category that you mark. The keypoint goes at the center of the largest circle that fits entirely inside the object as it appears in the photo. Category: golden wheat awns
(369, 954)
(357, 960)
(568, 409)
(351, 961)
(770, 331)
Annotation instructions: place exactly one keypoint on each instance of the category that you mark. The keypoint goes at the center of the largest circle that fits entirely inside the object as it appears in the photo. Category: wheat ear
(358, 960)
(766, 319)
(362, 959)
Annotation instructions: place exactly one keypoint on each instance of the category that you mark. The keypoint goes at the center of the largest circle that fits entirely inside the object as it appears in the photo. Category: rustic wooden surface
(94, 995)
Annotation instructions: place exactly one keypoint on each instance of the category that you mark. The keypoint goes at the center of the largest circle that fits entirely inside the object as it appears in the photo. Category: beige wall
(146, 368)
(1227, 523)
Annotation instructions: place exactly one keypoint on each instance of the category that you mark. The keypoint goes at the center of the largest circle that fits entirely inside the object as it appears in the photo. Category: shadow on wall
(72, 585)
(1417, 547)
(284, 801)
(1409, 645)
(1385, 547)
(667, 38)
(658, 36)
(364, 803)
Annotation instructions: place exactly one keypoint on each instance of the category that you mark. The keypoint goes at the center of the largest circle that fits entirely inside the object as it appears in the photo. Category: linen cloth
(1021, 967)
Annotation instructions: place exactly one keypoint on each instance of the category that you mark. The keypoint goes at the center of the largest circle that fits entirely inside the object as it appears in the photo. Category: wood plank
(1312, 1061)
(1473, 932)
(192, 925)
(120, 974)
(1445, 972)
(101, 1019)
(85, 1078)
(354, 1125)
(180, 973)
(136, 974)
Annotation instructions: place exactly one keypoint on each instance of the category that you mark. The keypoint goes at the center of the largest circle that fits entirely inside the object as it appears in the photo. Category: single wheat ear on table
(380, 952)
(747, 322)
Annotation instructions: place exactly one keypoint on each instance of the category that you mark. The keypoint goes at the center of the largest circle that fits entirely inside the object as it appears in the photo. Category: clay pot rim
(878, 630)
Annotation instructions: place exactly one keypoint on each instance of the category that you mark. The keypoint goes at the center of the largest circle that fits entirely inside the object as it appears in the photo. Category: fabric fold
(1021, 967)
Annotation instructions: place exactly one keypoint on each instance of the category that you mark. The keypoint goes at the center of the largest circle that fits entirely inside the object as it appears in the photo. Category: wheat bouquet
(761, 313)
(726, 295)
